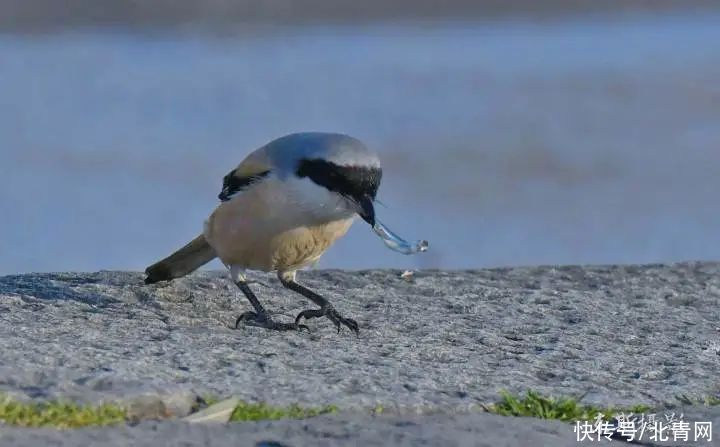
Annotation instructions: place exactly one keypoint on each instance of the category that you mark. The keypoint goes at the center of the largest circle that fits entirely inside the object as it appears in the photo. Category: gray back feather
(343, 150)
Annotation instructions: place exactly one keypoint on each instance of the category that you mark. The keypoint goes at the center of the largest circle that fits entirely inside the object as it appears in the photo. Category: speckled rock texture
(439, 430)
(437, 341)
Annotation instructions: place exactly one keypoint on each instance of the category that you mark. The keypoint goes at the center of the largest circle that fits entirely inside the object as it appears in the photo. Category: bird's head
(338, 163)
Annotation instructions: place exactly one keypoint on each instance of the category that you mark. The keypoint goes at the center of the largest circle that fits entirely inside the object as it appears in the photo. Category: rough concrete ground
(440, 342)
(478, 429)
(451, 430)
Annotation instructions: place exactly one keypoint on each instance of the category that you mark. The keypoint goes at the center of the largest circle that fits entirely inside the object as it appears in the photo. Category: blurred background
(511, 132)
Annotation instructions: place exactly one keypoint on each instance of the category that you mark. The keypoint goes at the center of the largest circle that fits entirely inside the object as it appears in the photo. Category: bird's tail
(186, 260)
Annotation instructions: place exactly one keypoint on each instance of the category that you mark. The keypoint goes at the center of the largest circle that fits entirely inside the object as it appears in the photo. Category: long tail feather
(186, 260)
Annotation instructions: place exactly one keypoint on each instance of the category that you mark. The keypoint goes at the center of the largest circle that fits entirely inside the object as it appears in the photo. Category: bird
(280, 209)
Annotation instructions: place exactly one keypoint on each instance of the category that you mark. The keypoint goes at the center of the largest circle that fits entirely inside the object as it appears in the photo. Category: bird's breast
(277, 225)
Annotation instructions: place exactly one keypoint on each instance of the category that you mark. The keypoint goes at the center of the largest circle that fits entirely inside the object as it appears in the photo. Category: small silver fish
(395, 242)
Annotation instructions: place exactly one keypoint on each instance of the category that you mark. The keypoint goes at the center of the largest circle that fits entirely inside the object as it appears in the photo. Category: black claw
(332, 315)
(264, 320)
(249, 316)
(352, 324)
(308, 314)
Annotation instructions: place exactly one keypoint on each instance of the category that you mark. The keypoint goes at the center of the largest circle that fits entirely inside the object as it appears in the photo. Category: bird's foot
(329, 312)
(263, 320)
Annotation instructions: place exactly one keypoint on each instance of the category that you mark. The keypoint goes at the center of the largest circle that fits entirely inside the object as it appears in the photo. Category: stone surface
(478, 429)
(216, 413)
(438, 430)
(145, 407)
(439, 341)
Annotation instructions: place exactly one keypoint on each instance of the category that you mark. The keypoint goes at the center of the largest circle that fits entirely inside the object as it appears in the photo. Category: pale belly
(267, 235)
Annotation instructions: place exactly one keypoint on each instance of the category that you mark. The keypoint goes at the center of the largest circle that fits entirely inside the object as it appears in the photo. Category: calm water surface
(504, 143)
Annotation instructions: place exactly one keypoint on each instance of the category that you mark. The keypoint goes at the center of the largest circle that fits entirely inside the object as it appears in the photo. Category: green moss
(261, 412)
(64, 414)
(566, 409)
(58, 414)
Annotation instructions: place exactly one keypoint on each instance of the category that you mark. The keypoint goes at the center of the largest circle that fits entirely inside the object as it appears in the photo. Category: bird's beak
(367, 210)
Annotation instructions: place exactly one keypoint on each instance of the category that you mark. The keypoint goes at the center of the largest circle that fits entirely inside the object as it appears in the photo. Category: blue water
(587, 140)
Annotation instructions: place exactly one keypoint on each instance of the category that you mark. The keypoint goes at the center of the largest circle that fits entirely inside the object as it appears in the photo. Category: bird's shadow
(64, 287)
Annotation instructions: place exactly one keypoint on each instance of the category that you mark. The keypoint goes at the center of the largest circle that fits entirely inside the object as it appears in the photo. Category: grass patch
(65, 414)
(566, 409)
(58, 414)
(263, 412)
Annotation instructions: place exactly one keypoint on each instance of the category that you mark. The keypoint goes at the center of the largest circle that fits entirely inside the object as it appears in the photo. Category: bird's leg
(260, 316)
(326, 309)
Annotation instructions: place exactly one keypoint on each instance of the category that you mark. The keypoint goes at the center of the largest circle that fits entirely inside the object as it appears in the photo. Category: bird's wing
(253, 169)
